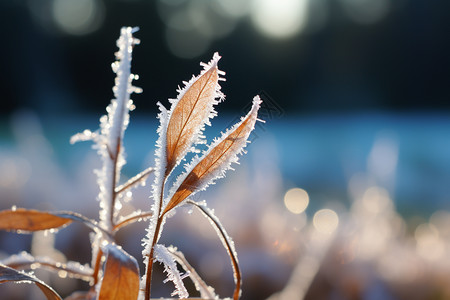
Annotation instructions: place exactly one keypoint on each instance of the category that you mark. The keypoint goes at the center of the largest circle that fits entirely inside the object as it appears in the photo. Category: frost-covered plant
(113, 273)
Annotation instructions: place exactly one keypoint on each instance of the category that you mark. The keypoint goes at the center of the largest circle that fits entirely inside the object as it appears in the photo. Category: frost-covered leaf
(227, 243)
(29, 220)
(190, 112)
(216, 160)
(8, 274)
(120, 275)
(163, 255)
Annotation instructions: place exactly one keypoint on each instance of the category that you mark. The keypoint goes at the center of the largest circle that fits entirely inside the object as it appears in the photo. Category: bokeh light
(326, 221)
(376, 200)
(78, 17)
(296, 200)
(279, 19)
(429, 244)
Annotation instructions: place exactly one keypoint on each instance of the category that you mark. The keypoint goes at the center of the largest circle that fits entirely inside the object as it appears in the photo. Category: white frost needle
(108, 140)
(216, 160)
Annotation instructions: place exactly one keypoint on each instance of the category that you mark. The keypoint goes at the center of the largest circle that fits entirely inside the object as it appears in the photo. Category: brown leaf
(29, 220)
(190, 114)
(7, 274)
(217, 159)
(121, 275)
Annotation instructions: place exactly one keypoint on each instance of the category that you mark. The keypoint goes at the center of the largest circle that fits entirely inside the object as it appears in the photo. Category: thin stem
(135, 180)
(127, 221)
(148, 279)
(114, 182)
(55, 266)
(234, 261)
(97, 265)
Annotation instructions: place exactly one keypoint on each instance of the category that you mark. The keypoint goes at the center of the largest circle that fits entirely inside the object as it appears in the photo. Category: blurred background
(344, 192)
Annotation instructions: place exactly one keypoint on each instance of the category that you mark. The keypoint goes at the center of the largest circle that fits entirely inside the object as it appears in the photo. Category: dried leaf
(190, 112)
(29, 220)
(7, 274)
(217, 159)
(121, 275)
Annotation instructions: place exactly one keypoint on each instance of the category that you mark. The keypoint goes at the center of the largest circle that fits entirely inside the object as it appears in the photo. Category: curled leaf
(216, 160)
(190, 112)
(7, 274)
(121, 275)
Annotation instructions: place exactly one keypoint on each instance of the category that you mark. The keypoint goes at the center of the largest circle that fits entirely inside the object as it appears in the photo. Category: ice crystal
(163, 256)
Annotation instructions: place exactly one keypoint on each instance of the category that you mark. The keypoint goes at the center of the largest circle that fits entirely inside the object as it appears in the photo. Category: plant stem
(114, 182)
(125, 222)
(148, 279)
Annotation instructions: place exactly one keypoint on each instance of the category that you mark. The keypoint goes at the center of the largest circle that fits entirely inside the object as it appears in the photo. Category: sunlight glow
(279, 18)
(296, 200)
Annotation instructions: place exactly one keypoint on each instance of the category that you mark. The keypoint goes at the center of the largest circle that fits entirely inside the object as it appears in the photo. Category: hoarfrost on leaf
(215, 161)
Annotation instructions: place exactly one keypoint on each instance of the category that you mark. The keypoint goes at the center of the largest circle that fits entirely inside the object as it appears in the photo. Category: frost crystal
(108, 140)
(227, 158)
(163, 256)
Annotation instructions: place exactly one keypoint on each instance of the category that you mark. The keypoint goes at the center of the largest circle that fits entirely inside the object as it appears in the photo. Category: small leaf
(121, 275)
(217, 159)
(7, 274)
(190, 112)
(29, 220)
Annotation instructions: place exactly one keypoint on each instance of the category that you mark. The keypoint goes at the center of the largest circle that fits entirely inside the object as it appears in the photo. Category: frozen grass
(113, 273)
